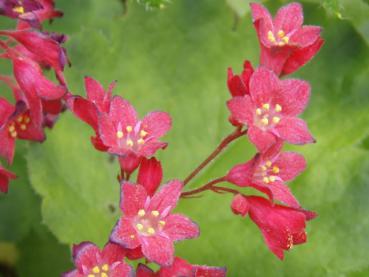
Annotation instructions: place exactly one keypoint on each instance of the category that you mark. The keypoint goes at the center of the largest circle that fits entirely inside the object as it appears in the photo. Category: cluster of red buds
(263, 107)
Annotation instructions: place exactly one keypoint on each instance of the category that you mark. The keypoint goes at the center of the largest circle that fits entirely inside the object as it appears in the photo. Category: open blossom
(285, 44)
(268, 173)
(5, 177)
(90, 261)
(271, 108)
(182, 268)
(127, 136)
(282, 227)
(148, 222)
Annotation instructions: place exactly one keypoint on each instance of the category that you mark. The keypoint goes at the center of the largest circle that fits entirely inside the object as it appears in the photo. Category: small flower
(91, 262)
(282, 227)
(148, 222)
(268, 173)
(126, 136)
(182, 268)
(150, 175)
(238, 85)
(5, 177)
(285, 44)
(271, 108)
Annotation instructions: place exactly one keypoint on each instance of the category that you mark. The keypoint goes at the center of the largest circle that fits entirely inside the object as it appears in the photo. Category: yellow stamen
(271, 37)
(91, 275)
(119, 134)
(129, 142)
(151, 231)
(155, 213)
(286, 39)
(275, 169)
(23, 127)
(11, 128)
(14, 134)
(139, 226)
(105, 267)
(266, 180)
(141, 212)
(96, 269)
(281, 43)
(268, 163)
(18, 9)
(276, 119)
(141, 141)
(278, 108)
(272, 178)
(27, 120)
(143, 133)
(20, 119)
(266, 106)
(281, 33)
(263, 168)
(265, 121)
(162, 222)
(104, 274)
(129, 129)
(132, 236)
(258, 111)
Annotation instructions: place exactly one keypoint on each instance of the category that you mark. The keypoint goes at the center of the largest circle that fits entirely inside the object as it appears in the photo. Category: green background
(175, 59)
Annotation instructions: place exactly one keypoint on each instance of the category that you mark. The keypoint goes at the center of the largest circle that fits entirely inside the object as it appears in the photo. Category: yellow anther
(129, 142)
(23, 127)
(268, 163)
(281, 33)
(96, 269)
(276, 119)
(143, 133)
(141, 212)
(271, 37)
(129, 129)
(105, 267)
(281, 43)
(259, 111)
(275, 169)
(14, 134)
(162, 222)
(155, 213)
(263, 168)
(266, 106)
(139, 226)
(18, 9)
(27, 120)
(151, 231)
(272, 178)
(266, 180)
(265, 121)
(11, 128)
(286, 40)
(20, 119)
(91, 275)
(104, 275)
(278, 108)
(119, 134)
(141, 141)
(132, 236)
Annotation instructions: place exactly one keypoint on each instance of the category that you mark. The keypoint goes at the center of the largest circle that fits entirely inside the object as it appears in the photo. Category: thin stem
(205, 187)
(224, 143)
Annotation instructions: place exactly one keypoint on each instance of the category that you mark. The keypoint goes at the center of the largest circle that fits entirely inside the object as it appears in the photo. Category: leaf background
(175, 60)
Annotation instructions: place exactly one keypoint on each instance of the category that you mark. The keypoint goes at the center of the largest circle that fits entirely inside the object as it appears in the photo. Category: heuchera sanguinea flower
(271, 108)
(182, 268)
(90, 261)
(5, 177)
(238, 85)
(268, 173)
(285, 44)
(148, 222)
(127, 136)
(282, 227)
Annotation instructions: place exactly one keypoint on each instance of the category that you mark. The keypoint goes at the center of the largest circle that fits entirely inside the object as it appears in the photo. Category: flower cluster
(38, 101)
(263, 108)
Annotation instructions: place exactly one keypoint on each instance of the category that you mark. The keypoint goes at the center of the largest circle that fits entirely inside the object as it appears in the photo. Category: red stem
(203, 188)
(224, 143)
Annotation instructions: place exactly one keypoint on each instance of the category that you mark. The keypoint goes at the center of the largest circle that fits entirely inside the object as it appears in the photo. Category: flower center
(148, 223)
(18, 9)
(266, 116)
(267, 172)
(132, 137)
(99, 271)
(19, 124)
(281, 39)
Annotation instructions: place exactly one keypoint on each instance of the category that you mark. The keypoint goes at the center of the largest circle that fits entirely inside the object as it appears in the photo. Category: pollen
(23, 127)
(14, 134)
(104, 275)
(272, 178)
(258, 111)
(155, 213)
(141, 141)
(276, 119)
(143, 133)
(286, 40)
(91, 275)
(27, 119)
(162, 222)
(151, 231)
(20, 119)
(141, 212)
(275, 169)
(268, 163)
(263, 168)
(96, 269)
(278, 108)
(119, 134)
(266, 106)
(132, 236)
(139, 226)
(271, 37)
(105, 267)
(18, 9)
(129, 142)
(281, 34)
(129, 129)
(266, 180)
(265, 121)
(11, 128)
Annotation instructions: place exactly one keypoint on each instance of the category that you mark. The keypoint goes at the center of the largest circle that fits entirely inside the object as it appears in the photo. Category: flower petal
(290, 165)
(133, 198)
(167, 197)
(158, 249)
(124, 234)
(156, 124)
(274, 58)
(85, 255)
(289, 18)
(294, 130)
(144, 271)
(262, 140)
(242, 109)
(306, 36)
(107, 130)
(112, 252)
(281, 192)
(179, 227)
(203, 270)
(84, 110)
(240, 205)
(241, 175)
(123, 112)
(150, 175)
(263, 22)
(263, 85)
(121, 269)
(7, 146)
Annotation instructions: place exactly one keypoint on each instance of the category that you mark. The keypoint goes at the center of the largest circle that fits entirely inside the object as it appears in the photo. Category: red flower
(238, 85)
(150, 175)
(128, 137)
(182, 268)
(5, 177)
(286, 45)
(271, 108)
(268, 173)
(148, 222)
(282, 227)
(92, 262)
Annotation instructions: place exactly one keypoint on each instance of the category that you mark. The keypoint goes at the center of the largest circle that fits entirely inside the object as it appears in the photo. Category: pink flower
(268, 173)
(5, 177)
(182, 268)
(150, 175)
(127, 136)
(92, 262)
(286, 45)
(238, 85)
(148, 222)
(271, 108)
(282, 227)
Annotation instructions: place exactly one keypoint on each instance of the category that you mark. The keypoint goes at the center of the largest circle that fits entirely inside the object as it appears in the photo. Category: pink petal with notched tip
(305, 36)
(122, 234)
(167, 197)
(281, 192)
(85, 256)
(156, 124)
(84, 110)
(180, 267)
(290, 165)
(149, 148)
(263, 22)
(179, 227)
(123, 112)
(263, 140)
(158, 249)
(242, 174)
(294, 130)
(107, 130)
(121, 269)
(112, 252)
(242, 109)
(289, 18)
(274, 58)
(263, 84)
(133, 198)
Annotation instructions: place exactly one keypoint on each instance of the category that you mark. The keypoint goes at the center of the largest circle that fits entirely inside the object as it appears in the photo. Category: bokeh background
(175, 59)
